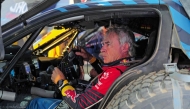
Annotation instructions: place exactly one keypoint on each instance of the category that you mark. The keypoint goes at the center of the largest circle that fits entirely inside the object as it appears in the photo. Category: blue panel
(152, 1)
(117, 3)
(176, 6)
(180, 20)
(161, 2)
(12, 73)
(128, 2)
(186, 48)
(177, 1)
(62, 9)
(183, 35)
(140, 1)
(103, 3)
(71, 7)
(81, 5)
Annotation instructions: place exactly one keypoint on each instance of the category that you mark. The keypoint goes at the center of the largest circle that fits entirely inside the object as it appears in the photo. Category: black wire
(60, 66)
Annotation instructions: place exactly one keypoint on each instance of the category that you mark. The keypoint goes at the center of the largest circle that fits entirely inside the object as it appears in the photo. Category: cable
(60, 66)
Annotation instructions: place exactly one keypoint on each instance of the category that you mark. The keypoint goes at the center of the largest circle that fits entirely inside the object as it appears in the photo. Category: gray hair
(125, 35)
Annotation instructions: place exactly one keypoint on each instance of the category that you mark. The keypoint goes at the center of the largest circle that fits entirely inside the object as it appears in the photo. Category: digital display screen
(27, 67)
(36, 63)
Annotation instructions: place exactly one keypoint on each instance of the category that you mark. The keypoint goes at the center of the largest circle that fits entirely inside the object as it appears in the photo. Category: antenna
(2, 52)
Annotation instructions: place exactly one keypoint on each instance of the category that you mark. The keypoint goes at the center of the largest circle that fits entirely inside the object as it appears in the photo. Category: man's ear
(125, 47)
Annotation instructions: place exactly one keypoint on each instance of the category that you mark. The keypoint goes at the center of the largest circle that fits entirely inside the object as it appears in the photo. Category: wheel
(152, 91)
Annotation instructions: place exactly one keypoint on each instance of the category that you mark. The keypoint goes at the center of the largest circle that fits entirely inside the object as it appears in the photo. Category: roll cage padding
(150, 46)
(149, 49)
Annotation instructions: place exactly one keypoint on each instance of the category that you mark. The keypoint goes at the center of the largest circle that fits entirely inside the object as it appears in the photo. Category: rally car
(159, 73)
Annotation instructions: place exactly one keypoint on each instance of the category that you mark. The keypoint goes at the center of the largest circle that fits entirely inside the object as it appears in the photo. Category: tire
(152, 91)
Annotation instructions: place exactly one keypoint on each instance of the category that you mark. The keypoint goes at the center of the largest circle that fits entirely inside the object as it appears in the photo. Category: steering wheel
(70, 65)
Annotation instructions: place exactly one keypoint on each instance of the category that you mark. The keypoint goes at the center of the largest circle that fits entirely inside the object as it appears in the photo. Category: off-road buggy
(159, 74)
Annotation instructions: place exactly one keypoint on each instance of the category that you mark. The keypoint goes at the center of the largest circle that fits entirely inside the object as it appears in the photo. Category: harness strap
(171, 69)
(119, 70)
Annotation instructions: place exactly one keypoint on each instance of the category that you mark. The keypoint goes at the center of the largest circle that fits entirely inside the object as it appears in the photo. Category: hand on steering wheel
(86, 56)
(57, 75)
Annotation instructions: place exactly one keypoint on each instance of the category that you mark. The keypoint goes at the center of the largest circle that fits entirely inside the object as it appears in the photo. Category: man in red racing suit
(117, 47)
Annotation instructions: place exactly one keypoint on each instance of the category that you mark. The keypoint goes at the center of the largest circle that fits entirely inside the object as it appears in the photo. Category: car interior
(33, 70)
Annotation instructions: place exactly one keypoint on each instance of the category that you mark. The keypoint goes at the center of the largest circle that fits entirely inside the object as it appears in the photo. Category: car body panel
(163, 41)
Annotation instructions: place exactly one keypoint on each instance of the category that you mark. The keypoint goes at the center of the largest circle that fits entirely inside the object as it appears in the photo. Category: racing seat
(149, 49)
(140, 49)
(151, 46)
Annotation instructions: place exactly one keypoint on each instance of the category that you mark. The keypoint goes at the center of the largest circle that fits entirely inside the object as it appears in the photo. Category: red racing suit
(95, 93)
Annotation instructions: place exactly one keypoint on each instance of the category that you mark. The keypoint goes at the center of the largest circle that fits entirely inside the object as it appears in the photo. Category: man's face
(111, 49)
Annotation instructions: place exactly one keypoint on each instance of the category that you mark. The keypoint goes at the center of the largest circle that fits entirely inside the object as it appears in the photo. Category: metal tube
(56, 42)
(42, 93)
(70, 41)
(56, 37)
(20, 53)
